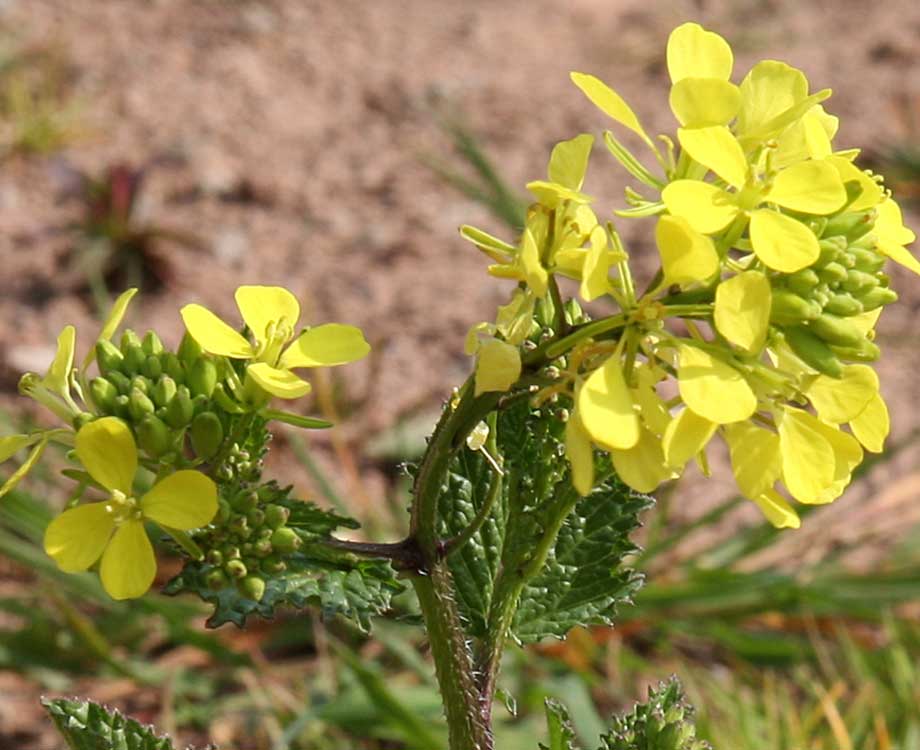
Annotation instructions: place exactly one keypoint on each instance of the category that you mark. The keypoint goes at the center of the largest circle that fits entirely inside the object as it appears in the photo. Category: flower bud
(189, 350)
(207, 434)
(217, 580)
(833, 273)
(214, 557)
(153, 436)
(152, 344)
(84, 418)
(103, 393)
(224, 400)
(202, 377)
(108, 357)
(276, 516)
(251, 587)
(173, 367)
(256, 517)
(134, 359)
(179, 411)
(285, 540)
(129, 340)
(140, 383)
(877, 297)
(852, 226)
(866, 260)
(236, 569)
(139, 405)
(121, 381)
(231, 552)
(865, 352)
(787, 308)
(223, 511)
(200, 404)
(813, 351)
(121, 407)
(273, 565)
(802, 282)
(262, 548)
(164, 391)
(152, 367)
(843, 305)
(245, 501)
(858, 281)
(836, 330)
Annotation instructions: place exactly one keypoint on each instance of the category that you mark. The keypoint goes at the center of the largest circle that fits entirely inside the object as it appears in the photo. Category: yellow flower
(114, 529)
(272, 313)
(712, 388)
(742, 310)
(893, 235)
(687, 256)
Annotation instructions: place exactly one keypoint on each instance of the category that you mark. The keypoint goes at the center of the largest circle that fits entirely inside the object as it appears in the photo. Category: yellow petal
(839, 400)
(865, 322)
(872, 424)
(712, 388)
(817, 138)
(808, 458)
(707, 208)
(498, 250)
(213, 335)
(642, 467)
(595, 272)
(687, 256)
(326, 346)
(128, 565)
(184, 500)
(847, 455)
(695, 52)
(263, 305)
(716, 149)
(781, 242)
(515, 319)
(550, 194)
(686, 435)
(107, 451)
(742, 310)
(569, 161)
(280, 383)
(900, 255)
(10, 445)
(77, 537)
(870, 194)
(580, 452)
(755, 456)
(703, 102)
(889, 225)
(654, 413)
(768, 90)
(610, 103)
(534, 272)
(17, 476)
(777, 510)
(59, 373)
(471, 342)
(498, 366)
(811, 187)
(606, 407)
(116, 314)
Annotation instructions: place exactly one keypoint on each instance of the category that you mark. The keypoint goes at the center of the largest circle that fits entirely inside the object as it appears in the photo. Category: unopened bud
(164, 390)
(108, 357)
(245, 501)
(121, 381)
(217, 580)
(236, 569)
(833, 273)
(103, 394)
(153, 436)
(152, 367)
(129, 340)
(207, 434)
(173, 367)
(787, 308)
(835, 330)
(189, 350)
(251, 587)
(858, 281)
(813, 351)
(843, 305)
(134, 359)
(140, 383)
(151, 343)
(82, 419)
(139, 405)
(285, 540)
(276, 516)
(179, 411)
(802, 282)
(202, 377)
(121, 407)
(877, 297)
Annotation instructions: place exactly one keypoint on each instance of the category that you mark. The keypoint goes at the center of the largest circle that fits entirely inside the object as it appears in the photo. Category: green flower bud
(225, 401)
(223, 511)
(251, 587)
(256, 517)
(179, 411)
(82, 419)
(139, 405)
(140, 383)
(214, 557)
(153, 436)
(285, 540)
(877, 297)
(120, 381)
(122, 407)
(787, 308)
(866, 260)
(152, 367)
(134, 359)
(830, 249)
(200, 404)
(833, 273)
(865, 352)
(108, 357)
(813, 351)
(217, 580)
(858, 281)
(245, 501)
(843, 305)
(207, 434)
(202, 377)
(189, 350)
(173, 367)
(236, 569)
(129, 340)
(103, 393)
(239, 524)
(802, 282)
(262, 548)
(836, 330)
(852, 226)
(276, 516)
(231, 552)
(152, 344)
(273, 565)
(164, 390)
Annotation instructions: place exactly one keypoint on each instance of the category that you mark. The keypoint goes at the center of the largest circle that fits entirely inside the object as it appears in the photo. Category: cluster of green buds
(194, 419)
(760, 321)
(248, 540)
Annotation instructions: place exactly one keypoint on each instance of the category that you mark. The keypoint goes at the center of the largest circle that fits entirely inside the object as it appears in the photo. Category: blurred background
(334, 148)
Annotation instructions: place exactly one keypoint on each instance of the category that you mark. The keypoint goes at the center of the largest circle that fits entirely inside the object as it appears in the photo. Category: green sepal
(297, 420)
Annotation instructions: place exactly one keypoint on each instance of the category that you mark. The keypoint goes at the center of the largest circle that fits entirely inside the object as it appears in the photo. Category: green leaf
(85, 725)
(663, 722)
(559, 727)
(582, 580)
(336, 582)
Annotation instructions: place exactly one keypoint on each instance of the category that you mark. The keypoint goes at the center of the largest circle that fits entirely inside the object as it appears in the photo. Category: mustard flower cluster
(772, 249)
